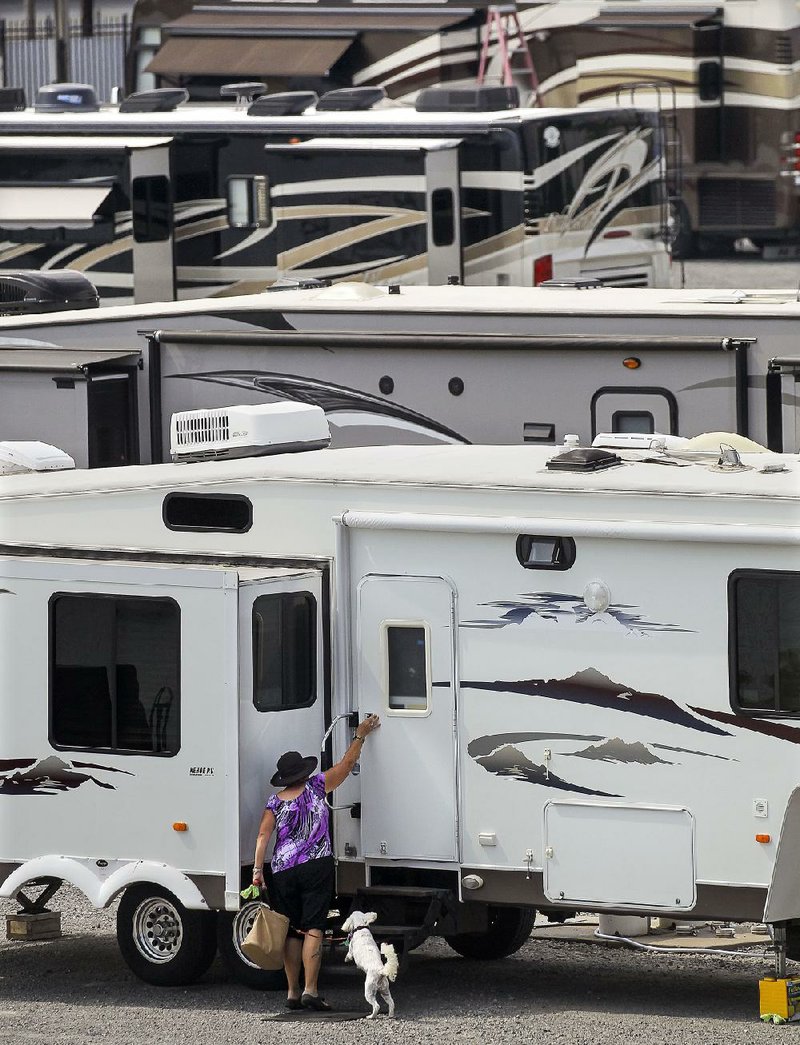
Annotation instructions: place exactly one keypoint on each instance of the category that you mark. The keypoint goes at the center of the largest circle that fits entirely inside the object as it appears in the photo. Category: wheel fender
(783, 898)
(100, 885)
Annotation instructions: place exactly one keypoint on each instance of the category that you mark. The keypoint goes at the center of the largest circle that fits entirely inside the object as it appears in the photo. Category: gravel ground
(78, 990)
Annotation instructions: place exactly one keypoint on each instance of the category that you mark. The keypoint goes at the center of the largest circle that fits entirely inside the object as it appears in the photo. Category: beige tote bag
(263, 945)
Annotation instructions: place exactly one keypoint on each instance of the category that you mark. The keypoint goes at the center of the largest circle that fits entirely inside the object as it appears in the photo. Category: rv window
(545, 553)
(249, 202)
(442, 217)
(765, 642)
(284, 651)
(633, 421)
(209, 513)
(115, 673)
(151, 205)
(407, 667)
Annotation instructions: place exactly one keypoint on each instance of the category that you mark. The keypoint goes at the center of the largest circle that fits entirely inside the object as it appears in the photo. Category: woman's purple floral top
(301, 826)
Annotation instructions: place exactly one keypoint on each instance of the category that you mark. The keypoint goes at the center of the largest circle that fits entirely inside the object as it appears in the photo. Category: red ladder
(505, 23)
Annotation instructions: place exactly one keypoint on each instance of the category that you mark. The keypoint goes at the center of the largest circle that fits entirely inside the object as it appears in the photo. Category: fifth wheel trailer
(592, 651)
(424, 364)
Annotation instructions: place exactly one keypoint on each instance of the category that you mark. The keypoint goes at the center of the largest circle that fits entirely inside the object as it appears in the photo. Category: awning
(62, 360)
(51, 206)
(267, 19)
(367, 145)
(68, 143)
(666, 17)
(237, 56)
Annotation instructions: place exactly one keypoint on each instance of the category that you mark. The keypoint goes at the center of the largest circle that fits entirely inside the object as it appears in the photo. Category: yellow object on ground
(779, 998)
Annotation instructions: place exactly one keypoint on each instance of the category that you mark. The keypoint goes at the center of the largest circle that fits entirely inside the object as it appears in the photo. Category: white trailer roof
(457, 301)
(485, 468)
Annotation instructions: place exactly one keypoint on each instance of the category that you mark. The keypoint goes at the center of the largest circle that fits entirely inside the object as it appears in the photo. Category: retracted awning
(90, 143)
(367, 145)
(317, 20)
(240, 56)
(62, 360)
(51, 206)
(666, 17)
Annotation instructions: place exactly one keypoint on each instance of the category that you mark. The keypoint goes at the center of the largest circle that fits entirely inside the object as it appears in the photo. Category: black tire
(231, 930)
(509, 928)
(161, 941)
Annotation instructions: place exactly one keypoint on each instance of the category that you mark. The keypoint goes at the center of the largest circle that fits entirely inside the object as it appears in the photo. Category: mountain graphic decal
(616, 750)
(510, 761)
(49, 776)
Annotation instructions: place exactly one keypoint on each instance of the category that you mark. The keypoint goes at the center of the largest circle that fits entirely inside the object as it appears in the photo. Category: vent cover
(351, 99)
(467, 99)
(584, 459)
(247, 431)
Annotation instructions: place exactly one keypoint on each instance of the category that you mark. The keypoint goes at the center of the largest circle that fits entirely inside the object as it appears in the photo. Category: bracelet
(357, 737)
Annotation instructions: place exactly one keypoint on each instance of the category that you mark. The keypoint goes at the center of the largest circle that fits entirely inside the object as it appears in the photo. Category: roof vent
(351, 99)
(28, 290)
(467, 99)
(585, 459)
(12, 99)
(66, 97)
(19, 457)
(289, 103)
(244, 93)
(579, 283)
(161, 99)
(247, 431)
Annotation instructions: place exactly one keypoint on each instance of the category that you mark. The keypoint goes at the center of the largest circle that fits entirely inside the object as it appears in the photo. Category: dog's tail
(391, 965)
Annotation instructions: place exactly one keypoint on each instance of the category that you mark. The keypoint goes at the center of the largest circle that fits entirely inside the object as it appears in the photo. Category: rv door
(401, 220)
(406, 674)
(282, 681)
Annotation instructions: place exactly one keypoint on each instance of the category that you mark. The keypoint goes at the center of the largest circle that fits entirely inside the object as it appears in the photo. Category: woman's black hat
(292, 768)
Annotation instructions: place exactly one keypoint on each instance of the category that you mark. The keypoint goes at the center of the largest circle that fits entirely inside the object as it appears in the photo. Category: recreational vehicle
(724, 74)
(153, 205)
(410, 364)
(572, 650)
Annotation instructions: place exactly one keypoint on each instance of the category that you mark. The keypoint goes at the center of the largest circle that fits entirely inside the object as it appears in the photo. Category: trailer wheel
(161, 941)
(684, 241)
(509, 928)
(231, 930)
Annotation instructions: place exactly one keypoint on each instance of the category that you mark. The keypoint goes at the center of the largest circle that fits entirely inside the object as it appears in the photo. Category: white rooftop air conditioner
(247, 431)
(17, 457)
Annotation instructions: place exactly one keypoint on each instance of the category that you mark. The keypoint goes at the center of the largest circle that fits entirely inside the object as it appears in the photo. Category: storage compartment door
(405, 673)
(638, 857)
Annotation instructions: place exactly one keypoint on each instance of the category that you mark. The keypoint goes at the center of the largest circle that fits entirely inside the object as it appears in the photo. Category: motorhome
(724, 74)
(211, 199)
(399, 364)
(572, 651)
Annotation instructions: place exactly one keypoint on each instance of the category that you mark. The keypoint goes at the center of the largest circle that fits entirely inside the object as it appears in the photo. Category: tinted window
(284, 651)
(209, 512)
(407, 668)
(633, 421)
(443, 217)
(765, 641)
(151, 207)
(115, 673)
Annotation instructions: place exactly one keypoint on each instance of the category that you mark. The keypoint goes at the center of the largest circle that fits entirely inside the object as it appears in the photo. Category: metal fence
(28, 54)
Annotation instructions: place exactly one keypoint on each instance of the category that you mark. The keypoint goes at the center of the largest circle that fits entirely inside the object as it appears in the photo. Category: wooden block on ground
(44, 926)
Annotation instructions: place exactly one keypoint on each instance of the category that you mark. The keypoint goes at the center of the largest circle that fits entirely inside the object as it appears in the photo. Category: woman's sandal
(314, 1001)
(293, 1003)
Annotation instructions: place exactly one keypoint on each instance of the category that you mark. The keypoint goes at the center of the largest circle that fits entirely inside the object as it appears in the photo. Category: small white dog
(362, 949)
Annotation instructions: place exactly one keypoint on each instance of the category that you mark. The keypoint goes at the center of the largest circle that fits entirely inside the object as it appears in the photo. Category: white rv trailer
(426, 364)
(587, 680)
(210, 198)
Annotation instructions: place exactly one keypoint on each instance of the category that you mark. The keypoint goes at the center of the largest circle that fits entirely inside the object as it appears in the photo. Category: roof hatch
(584, 459)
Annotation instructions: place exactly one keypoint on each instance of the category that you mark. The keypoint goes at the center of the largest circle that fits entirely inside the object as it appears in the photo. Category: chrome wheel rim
(157, 930)
(242, 924)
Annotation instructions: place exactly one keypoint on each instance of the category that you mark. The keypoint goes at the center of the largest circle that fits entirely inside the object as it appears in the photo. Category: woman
(303, 883)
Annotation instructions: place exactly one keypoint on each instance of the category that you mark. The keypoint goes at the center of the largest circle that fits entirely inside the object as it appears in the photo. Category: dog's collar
(352, 932)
